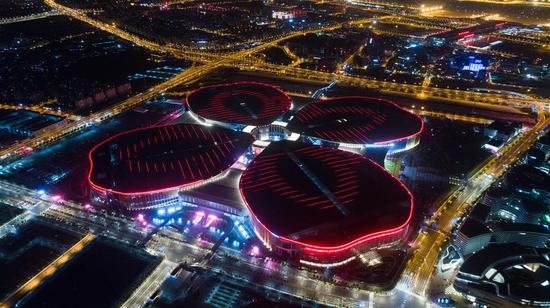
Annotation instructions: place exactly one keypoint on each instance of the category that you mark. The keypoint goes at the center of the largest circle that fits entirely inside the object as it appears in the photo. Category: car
(177, 271)
(154, 296)
(444, 301)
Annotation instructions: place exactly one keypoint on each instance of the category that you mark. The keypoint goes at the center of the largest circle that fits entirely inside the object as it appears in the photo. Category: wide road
(46, 272)
(140, 296)
(176, 250)
(11, 20)
(430, 242)
(173, 247)
(191, 54)
(61, 129)
(427, 245)
(242, 61)
(193, 74)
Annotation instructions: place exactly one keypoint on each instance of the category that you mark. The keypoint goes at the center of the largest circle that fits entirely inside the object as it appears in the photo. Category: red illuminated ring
(353, 243)
(103, 189)
(382, 100)
(288, 99)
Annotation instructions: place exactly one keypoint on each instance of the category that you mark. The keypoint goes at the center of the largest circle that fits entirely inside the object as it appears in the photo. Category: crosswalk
(223, 296)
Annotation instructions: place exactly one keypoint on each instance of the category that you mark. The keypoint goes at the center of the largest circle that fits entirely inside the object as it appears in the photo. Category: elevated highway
(243, 61)
(5, 21)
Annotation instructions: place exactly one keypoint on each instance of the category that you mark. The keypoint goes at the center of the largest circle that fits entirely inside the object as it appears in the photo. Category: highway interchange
(278, 277)
(427, 246)
(243, 60)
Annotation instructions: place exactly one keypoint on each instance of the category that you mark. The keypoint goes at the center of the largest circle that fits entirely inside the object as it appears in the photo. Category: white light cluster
(314, 264)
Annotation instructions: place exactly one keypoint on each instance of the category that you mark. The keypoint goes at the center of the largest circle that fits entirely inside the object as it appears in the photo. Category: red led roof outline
(357, 120)
(331, 182)
(249, 103)
(180, 155)
(346, 188)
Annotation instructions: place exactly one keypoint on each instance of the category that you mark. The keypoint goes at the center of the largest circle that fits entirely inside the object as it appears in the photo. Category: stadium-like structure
(321, 204)
(358, 122)
(305, 196)
(239, 103)
(146, 168)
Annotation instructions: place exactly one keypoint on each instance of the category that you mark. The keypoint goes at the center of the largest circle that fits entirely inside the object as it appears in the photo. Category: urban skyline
(182, 153)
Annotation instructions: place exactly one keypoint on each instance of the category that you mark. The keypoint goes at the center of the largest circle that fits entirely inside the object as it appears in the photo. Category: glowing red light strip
(351, 244)
(285, 102)
(103, 189)
(309, 109)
